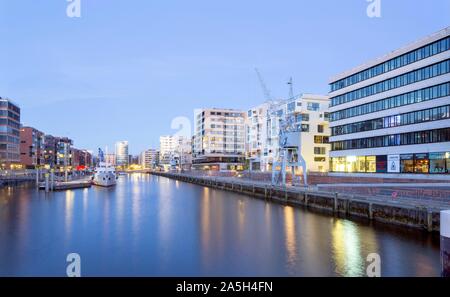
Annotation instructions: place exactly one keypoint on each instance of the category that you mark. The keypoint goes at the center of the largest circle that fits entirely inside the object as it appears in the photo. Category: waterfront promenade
(415, 211)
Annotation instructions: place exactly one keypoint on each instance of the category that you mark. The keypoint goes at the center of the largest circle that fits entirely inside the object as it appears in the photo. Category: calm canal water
(154, 226)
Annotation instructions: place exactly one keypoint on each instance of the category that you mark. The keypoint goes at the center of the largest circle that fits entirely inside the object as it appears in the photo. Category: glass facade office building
(122, 153)
(9, 134)
(392, 115)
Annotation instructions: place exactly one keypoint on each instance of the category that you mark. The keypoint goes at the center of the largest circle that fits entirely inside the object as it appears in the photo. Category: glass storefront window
(361, 164)
(422, 163)
(407, 163)
(381, 164)
(447, 156)
(438, 163)
(338, 164)
(371, 164)
(351, 165)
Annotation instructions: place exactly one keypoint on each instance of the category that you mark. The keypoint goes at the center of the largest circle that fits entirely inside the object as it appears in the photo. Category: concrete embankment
(406, 213)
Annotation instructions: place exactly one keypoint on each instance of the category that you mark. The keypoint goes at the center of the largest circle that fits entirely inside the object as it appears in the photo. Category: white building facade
(219, 139)
(307, 114)
(391, 116)
(149, 159)
(256, 146)
(175, 152)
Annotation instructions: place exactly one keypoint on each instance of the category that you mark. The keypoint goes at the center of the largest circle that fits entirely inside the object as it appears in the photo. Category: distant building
(149, 159)
(219, 139)
(184, 154)
(50, 151)
(81, 158)
(122, 157)
(391, 116)
(32, 147)
(9, 134)
(168, 146)
(58, 151)
(110, 159)
(64, 152)
(133, 160)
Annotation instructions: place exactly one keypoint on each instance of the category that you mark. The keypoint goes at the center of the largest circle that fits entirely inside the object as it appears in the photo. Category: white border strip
(445, 223)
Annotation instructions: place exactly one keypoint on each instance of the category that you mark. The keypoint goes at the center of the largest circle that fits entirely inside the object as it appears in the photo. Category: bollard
(37, 178)
(52, 180)
(335, 206)
(445, 243)
(46, 183)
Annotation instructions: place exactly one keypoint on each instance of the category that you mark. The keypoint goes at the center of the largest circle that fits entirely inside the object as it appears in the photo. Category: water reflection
(347, 249)
(152, 226)
(290, 234)
(68, 213)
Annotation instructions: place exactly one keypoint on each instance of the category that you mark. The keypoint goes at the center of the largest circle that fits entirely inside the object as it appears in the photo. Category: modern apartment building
(219, 139)
(57, 152)
(122, 157)
(174, 151)
(9, 134)
(306, 114)
(32, 147)
(391, 116)
(168, 145)
(110, 159)
(149, 159)
(81, 159)
(256, 125)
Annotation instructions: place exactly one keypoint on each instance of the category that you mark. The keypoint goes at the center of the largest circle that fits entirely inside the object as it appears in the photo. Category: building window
(338, 164)
(313, 106)
(419, 137)
(420, 116)
(407, 163)
(305, 117)
(319, 150)
(361, 164)
(321, 139)
(400, 61)
(438, 163)
(430, 93)
(320, 128)
(421, 163)
(305, 128)
(395, 82)
(380, 164)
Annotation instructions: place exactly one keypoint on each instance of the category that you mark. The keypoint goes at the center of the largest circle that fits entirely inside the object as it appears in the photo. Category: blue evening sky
(125, 69)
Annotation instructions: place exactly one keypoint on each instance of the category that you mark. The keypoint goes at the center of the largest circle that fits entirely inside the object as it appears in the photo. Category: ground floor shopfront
(420, 163)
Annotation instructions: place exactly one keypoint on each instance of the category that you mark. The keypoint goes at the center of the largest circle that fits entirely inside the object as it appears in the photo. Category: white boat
(104, 175)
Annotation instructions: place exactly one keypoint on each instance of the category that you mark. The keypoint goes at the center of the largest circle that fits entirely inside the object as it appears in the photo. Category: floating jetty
(423, 215)
(69, 185)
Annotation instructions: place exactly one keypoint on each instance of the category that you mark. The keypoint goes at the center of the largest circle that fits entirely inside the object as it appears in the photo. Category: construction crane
(291, 88)
(263, 86)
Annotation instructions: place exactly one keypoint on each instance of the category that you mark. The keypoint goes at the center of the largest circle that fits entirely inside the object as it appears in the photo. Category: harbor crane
(266, 91)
